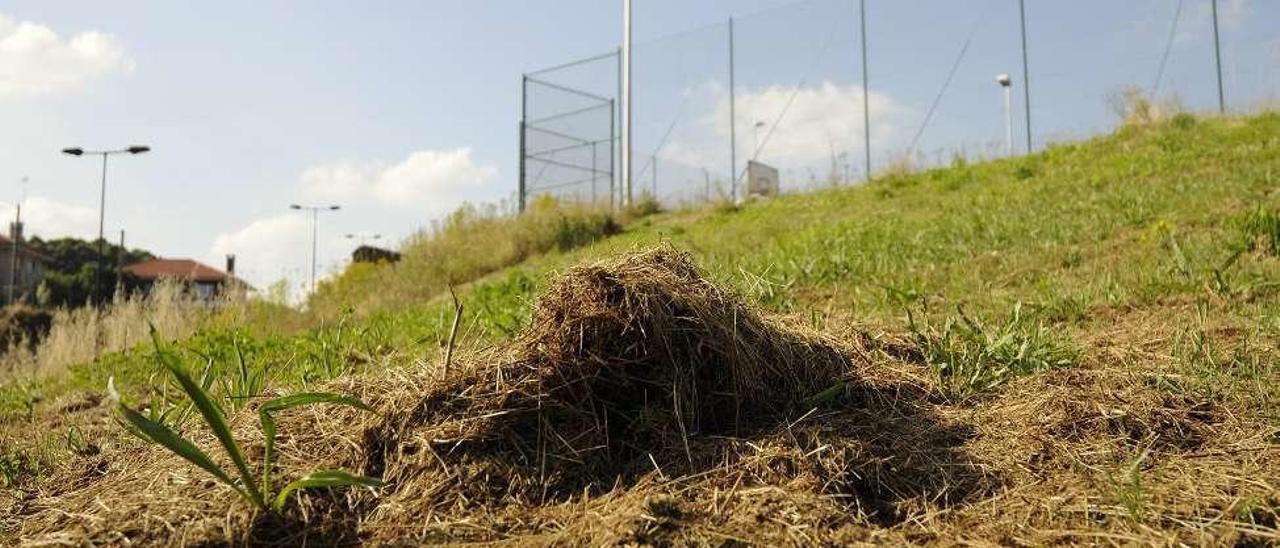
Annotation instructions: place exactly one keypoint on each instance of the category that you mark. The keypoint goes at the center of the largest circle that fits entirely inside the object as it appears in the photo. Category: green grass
(969, 358)
(1165, 212)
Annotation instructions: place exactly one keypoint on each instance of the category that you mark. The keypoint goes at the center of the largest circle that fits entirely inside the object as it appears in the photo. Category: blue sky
(400, 110)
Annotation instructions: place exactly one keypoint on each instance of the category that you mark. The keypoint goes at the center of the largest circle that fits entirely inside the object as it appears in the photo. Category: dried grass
(646, 406)
(77, 335)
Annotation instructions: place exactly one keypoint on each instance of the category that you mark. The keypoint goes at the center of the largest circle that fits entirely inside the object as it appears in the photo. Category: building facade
(204, 281)
(21, 268)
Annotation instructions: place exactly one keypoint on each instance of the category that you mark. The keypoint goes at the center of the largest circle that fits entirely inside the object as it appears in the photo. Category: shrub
(23, 324)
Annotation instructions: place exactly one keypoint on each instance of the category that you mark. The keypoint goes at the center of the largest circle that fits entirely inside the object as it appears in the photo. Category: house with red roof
(206, 282)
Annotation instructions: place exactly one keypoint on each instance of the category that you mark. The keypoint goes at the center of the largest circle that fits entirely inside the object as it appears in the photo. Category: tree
(71, 272)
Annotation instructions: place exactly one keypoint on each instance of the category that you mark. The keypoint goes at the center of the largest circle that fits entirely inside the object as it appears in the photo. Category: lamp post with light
(102, 206)
(315, 213)
(1006, 84)
(364, 237)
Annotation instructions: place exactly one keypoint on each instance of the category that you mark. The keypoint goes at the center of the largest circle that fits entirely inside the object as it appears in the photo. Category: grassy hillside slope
(1095, 326)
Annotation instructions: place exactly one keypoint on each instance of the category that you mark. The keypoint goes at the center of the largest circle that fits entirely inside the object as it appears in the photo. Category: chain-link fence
(830, 91)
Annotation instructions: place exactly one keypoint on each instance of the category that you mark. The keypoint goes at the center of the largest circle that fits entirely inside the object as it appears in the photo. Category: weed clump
(968, 358)
(1260, 230)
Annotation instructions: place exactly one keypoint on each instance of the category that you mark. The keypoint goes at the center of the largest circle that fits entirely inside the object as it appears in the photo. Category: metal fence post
(1217, 59)
(866, 94)
(524, 100)
(1026, 76)
(613, 138)
(733, 126)
(626, 103)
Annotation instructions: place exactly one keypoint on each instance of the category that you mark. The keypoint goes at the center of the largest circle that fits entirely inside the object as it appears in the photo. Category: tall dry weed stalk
(77, 335)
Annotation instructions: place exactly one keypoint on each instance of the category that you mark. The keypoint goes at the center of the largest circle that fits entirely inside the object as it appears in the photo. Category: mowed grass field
(1085, 339)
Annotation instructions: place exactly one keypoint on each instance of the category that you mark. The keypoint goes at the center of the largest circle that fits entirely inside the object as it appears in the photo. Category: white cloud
(271, 248)
(427, 177)
(52, 219)
(34, 59)
(822, 120)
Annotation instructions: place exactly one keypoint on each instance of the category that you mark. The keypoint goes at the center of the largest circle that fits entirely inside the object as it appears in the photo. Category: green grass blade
(323, 478)
(213, 417)
(268, 452)
(156, 432)
(306, 398)
(285, 402)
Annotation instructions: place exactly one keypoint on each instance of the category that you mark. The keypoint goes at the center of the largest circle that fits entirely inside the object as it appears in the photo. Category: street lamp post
(1006, 84)
(102, 207)
(364, 237)
(315, 212)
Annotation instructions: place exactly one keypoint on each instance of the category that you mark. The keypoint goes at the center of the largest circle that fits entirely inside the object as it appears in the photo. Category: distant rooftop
(181, 269)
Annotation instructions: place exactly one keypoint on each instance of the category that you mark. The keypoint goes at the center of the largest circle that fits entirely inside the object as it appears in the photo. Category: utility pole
(626, 102)
(1217, 59)
(120, 264)
(15, 233)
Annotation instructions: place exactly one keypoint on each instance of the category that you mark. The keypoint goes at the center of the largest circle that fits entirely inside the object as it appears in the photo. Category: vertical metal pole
(616, 198)
(1008, 120)
(97, 275)
(626, 102)
(594, 203)
(102, 250)
(524, 104)
(866, 95)
(653, 161)
(733, 125)
(1026, 73)
(315, 213)
(613, 114)
(120, 264)
(13, 258)
(1217, 59)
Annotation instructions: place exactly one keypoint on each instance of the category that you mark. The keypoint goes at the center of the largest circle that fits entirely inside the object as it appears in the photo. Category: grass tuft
(968, 358)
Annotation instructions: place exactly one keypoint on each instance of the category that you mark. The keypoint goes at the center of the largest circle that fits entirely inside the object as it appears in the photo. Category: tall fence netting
(785, 87)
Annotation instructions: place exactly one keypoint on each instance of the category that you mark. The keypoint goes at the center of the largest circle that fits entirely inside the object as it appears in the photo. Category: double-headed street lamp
(315, 212)
(364, 237)
(102, 206)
